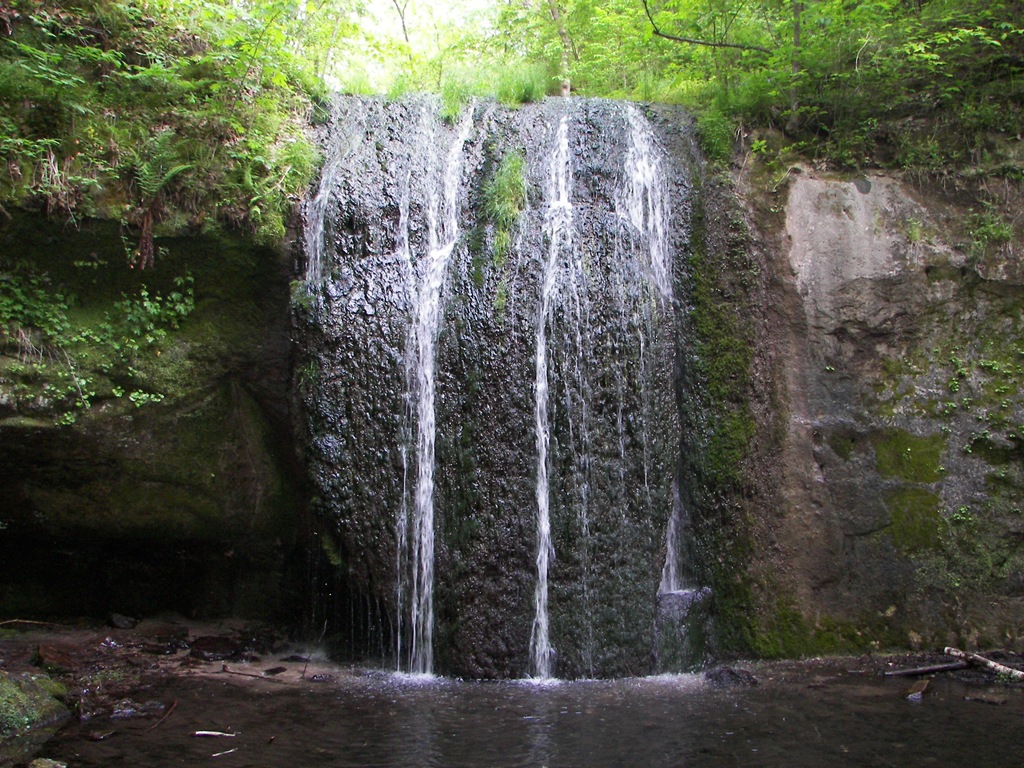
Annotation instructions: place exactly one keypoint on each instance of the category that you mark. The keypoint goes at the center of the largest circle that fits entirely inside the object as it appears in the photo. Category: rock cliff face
(433, 358)
(897, 346)
(175, 489)
(821, 396)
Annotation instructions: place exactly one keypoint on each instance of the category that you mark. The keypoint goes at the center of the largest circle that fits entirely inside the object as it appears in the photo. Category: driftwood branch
(27, 621)
(917, 671)
(224, 669)
(693, 41)
(174, 705)
(994, 666)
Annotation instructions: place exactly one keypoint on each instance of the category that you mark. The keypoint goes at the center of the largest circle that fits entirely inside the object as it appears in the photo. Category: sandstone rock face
(901, 470)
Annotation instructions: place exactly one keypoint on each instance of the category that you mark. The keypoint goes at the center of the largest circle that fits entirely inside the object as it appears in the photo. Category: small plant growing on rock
(504, 200)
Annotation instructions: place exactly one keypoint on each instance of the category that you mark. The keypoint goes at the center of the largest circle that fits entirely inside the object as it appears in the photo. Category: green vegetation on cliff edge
(185, 114)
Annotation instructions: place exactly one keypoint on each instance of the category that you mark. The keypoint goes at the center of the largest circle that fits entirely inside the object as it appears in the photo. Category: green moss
(717, 414)
(833, 637)
(56, 689)
(842, 444)
(786, 633)
(900, 454)
(25, 704)
(504, 200)
(501, 300)
(916, 519)
(331, 551)
(720, 316)
(999, 455)
(729, 443)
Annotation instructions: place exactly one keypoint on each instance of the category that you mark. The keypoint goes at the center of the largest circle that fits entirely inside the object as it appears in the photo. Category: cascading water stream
(670, 577)
(425, 441)
(317, 231)
(442, 235)
(643, 201)
(558, 227)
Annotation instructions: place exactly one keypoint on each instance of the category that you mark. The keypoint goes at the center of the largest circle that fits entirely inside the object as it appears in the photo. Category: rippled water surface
(372, 719)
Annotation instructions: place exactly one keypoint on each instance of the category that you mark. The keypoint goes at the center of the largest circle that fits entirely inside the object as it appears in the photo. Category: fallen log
(993, 666)
(917, 671)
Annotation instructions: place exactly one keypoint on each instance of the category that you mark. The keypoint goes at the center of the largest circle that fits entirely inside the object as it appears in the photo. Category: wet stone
(120, 621)
(729, 677)
(160, 631)
(212, 648)
(917, 690)
(985, 698)
(159, 649)
(126, 709)
(54, 658)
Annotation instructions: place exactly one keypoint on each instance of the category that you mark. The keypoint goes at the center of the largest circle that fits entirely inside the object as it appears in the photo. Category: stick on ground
(916, 671)
(167, 714)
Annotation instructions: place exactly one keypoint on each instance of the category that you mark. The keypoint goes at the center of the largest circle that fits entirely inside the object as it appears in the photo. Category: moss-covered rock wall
(145, 436)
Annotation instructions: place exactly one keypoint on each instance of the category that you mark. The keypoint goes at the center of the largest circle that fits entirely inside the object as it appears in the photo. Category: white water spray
(428, 303)
(558, 228)
(670, 578)
(644, 201)
(346, 141)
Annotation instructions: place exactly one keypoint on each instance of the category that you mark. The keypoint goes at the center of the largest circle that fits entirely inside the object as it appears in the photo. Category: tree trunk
(568, 47)
(794, 101)
(999, 669)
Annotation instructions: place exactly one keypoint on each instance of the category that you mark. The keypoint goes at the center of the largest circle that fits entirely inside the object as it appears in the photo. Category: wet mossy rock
(171, 487)
(609, 330)
(25, 704)
(900, 454)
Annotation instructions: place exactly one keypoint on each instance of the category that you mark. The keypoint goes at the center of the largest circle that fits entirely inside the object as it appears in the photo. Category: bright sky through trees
(399, 35)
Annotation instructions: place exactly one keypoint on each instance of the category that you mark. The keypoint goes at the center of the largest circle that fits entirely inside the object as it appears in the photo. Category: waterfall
(670, 577)
(442, 236)
(644, 199)
(558, 229)
(345, 140)
(473, 412)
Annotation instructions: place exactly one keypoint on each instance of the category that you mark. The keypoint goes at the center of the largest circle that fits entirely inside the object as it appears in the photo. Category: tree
(727, 17)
